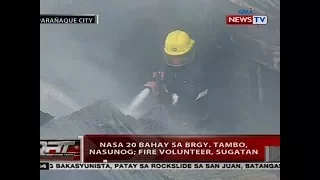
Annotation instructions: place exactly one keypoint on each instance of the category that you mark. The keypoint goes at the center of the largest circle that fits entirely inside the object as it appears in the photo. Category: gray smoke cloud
(67, 75)
(82, 62)
(113, 59)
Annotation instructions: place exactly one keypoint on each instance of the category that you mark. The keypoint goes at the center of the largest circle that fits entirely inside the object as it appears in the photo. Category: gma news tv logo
(60, 150)
(246, 17)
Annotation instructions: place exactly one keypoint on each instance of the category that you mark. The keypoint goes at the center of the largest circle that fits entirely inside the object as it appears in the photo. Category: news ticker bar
(153, 148)
(69, 19)
(159, 166)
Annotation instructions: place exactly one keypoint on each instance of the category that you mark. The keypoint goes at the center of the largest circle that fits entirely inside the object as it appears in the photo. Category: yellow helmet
(178, 48)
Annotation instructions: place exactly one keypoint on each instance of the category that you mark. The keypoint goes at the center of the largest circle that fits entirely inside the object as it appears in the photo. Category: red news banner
(148, 148)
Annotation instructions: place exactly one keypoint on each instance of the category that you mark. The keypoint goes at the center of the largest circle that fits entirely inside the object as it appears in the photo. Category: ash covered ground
(89, 73)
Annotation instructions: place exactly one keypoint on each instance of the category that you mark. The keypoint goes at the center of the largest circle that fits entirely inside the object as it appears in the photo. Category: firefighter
(183, 86)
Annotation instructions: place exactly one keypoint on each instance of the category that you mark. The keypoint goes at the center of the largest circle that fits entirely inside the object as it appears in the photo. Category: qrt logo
(60, 150)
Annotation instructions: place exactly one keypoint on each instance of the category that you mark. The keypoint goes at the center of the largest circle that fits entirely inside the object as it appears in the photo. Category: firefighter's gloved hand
(175, 99)
(152, 85)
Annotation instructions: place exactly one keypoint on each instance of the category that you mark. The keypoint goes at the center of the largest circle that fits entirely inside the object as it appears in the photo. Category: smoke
(112, 60)
(64, 65)
(54, 101)
(108, 61)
